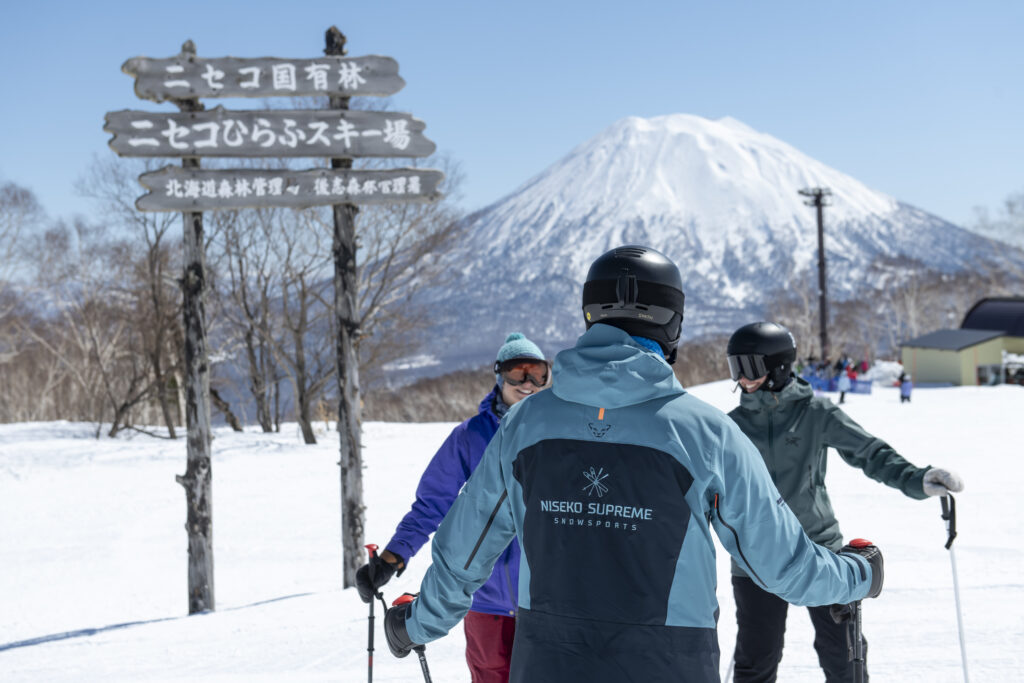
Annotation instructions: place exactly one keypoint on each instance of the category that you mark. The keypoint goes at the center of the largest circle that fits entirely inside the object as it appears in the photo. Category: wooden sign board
(271, 133)
(187, 76)
(173, 188)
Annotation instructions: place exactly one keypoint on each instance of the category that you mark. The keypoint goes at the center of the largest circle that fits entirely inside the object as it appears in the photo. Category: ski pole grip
(949, 514)
(371, 549)
(403, 599)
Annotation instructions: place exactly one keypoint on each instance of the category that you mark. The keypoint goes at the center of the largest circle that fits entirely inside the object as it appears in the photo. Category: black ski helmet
(760, 349)
(639, 290)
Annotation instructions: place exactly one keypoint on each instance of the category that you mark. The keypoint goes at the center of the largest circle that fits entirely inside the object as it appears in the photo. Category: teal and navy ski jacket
(612, 481)
(793, 430)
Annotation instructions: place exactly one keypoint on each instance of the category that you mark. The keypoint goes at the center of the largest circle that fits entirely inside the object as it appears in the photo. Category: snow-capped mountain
(718, 197)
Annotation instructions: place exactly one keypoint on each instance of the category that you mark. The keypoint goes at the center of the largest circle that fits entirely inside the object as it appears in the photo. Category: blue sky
(921, 100)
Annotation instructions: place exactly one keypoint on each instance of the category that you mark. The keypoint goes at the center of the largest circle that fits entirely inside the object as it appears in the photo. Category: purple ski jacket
(439, 486)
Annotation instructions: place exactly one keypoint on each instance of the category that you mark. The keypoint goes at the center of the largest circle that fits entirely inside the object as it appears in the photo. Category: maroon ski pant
(489, 646)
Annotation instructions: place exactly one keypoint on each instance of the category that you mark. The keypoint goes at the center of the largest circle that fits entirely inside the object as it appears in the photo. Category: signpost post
(337, 133)
(346, 279)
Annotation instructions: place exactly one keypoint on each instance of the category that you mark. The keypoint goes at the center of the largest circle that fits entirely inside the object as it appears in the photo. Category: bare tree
(1007, 225)
(90, 327)
(152, 254)
(19, 212)
(796, 307)
(274, 289)
(305, 348)
(244, 295)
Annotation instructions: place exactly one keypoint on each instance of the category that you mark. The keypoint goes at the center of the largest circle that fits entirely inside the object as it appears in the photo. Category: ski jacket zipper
(487, 527)
(511, 593)
(739, 547)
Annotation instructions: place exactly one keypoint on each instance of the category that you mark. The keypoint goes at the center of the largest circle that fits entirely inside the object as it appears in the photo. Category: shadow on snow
(84, 632)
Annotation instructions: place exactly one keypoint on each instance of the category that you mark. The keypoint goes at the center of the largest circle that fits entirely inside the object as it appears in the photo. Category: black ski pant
(761, 618)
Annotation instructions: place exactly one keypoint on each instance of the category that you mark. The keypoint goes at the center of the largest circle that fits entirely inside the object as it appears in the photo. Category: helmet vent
(635, 252)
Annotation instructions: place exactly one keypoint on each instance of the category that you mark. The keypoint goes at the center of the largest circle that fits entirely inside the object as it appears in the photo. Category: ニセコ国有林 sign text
(187, 76)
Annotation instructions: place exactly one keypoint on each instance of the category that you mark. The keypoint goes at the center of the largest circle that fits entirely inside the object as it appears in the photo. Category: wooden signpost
(336, 133)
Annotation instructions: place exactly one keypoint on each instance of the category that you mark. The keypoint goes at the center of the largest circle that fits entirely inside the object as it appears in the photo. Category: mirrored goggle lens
(750, 366)
(518, 372)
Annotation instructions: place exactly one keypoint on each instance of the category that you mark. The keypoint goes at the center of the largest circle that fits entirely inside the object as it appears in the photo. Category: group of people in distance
(572, 515)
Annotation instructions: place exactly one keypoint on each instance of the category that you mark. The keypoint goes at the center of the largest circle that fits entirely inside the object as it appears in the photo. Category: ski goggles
(517, 371)
(749, 365)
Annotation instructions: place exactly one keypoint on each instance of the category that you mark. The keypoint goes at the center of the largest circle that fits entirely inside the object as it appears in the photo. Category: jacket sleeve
(877, 458)
(439, 485)
(468, 543)
(763, 535)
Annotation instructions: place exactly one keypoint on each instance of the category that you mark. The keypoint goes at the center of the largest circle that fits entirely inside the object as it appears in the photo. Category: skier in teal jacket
(793, 430)
(612, 482)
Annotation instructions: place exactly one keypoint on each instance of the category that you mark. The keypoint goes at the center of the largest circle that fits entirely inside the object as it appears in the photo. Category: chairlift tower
(818, 197)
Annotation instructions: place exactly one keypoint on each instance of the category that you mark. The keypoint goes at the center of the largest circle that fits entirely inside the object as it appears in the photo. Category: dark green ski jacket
(793, 430)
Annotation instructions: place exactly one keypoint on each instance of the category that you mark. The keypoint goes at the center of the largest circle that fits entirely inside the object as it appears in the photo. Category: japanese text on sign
(267, 133)
(189, 77)
(176, 189)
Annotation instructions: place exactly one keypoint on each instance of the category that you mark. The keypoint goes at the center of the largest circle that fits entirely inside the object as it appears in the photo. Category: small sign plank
(187, 76)
(342, 133)
(173, 188)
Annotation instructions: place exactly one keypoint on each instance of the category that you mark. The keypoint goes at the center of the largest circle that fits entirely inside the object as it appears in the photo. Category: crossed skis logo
(596, 480)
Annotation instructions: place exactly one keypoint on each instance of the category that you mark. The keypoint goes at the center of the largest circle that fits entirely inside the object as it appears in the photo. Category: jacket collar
(487, 406)
(797, 390)
(608, 369)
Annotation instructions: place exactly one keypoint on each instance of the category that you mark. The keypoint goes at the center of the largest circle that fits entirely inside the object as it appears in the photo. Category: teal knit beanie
(518, 346)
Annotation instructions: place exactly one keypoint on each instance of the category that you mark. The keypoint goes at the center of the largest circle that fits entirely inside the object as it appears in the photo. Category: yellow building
(973, 354)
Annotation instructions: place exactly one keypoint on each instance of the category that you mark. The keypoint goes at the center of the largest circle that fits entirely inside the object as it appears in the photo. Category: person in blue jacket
(612, 481)
(520, 371)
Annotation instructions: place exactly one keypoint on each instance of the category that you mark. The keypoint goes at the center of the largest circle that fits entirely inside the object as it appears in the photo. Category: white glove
(940, 482)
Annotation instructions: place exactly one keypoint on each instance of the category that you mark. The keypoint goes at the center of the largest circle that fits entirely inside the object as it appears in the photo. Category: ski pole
(371, 549)
(858, 645)
(420, 650)
(949, 515)
(851, 614)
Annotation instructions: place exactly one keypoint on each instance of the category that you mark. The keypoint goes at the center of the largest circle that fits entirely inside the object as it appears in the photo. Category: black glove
(841, 613)
(371, 576)
(873, 555)
(394, 630)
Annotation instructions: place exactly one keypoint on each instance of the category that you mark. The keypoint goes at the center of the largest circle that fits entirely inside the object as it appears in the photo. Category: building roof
(1005, 314)
(952, 340)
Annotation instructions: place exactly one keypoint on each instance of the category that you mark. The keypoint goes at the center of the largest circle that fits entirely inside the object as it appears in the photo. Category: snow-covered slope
(718, 197)
(93, 553)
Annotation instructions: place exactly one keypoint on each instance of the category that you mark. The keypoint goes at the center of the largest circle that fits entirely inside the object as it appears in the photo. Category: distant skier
(793, 429)
(611, 481)
(906, 386)
(520, 370)
(844, 384)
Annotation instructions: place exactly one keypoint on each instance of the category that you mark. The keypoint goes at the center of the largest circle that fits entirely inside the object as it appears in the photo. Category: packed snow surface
(93, 552)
